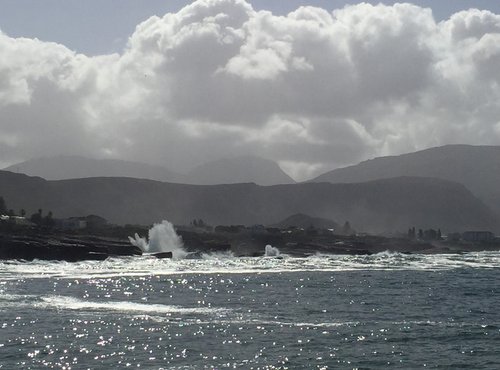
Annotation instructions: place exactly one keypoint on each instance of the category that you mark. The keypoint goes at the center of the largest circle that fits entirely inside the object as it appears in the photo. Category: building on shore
(478, 236)
(16, 220)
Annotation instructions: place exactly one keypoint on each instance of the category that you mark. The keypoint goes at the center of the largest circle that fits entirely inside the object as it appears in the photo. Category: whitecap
(72, 303)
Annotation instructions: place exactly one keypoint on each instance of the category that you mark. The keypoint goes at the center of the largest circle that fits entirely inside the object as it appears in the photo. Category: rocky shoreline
(62, 247)
(73, 248)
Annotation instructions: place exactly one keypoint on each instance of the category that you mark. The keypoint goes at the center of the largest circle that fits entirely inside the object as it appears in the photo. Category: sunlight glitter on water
(375, 311)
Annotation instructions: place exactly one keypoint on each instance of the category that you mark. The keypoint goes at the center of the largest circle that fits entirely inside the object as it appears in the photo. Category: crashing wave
(271, 251)
(161, 238)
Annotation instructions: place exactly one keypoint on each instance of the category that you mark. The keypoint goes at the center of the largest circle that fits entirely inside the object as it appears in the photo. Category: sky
(313, 85)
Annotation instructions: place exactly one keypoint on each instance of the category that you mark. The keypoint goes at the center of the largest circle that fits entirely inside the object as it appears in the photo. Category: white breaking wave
(278, 323)
(162, 238)
(271, 251)
(225, 263)
(71, 303)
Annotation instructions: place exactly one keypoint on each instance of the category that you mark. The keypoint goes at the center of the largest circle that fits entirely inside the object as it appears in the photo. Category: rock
(54, 247)
(163, 255)
(29, 251)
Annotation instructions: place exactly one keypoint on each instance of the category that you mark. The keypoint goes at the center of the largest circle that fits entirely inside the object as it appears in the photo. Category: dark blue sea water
(323, 312)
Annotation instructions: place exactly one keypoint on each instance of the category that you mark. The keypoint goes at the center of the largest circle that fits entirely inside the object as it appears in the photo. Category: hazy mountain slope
(305, 221)
(224, 171)
(392, 204)
(74, 167)
(476, 167)
(239, 170)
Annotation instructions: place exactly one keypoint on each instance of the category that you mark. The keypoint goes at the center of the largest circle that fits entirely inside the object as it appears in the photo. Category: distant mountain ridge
(384, 205)
(66, 167)
(224, 171)
(239, 169)
(476, 167)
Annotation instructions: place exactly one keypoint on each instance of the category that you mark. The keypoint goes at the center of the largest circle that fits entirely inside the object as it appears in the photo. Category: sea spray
(271, 251)
(139, 242)
(162, 238)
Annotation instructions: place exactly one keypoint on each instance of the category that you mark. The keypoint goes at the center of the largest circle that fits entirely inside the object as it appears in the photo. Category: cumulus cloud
(312, 90)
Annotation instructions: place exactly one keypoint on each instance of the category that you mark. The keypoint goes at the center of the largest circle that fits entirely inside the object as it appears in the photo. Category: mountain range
(238, 169)
(75, 167)
(476, 167)
(375, 206)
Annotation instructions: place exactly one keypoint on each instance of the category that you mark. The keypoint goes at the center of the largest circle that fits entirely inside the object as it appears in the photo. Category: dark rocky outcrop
(162, 255)
(62, 248)
(298, 245)
(204, 242)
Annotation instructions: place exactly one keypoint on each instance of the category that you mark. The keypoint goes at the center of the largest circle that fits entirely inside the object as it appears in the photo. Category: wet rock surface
(60, 247)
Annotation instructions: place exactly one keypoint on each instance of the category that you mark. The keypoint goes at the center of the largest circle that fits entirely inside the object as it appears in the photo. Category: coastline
(29, 245)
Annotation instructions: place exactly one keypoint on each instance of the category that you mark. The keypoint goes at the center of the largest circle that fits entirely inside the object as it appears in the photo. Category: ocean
(322, 312)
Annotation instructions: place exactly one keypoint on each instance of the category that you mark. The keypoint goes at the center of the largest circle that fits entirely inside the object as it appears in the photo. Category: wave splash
(162, 238)
(271, 251)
